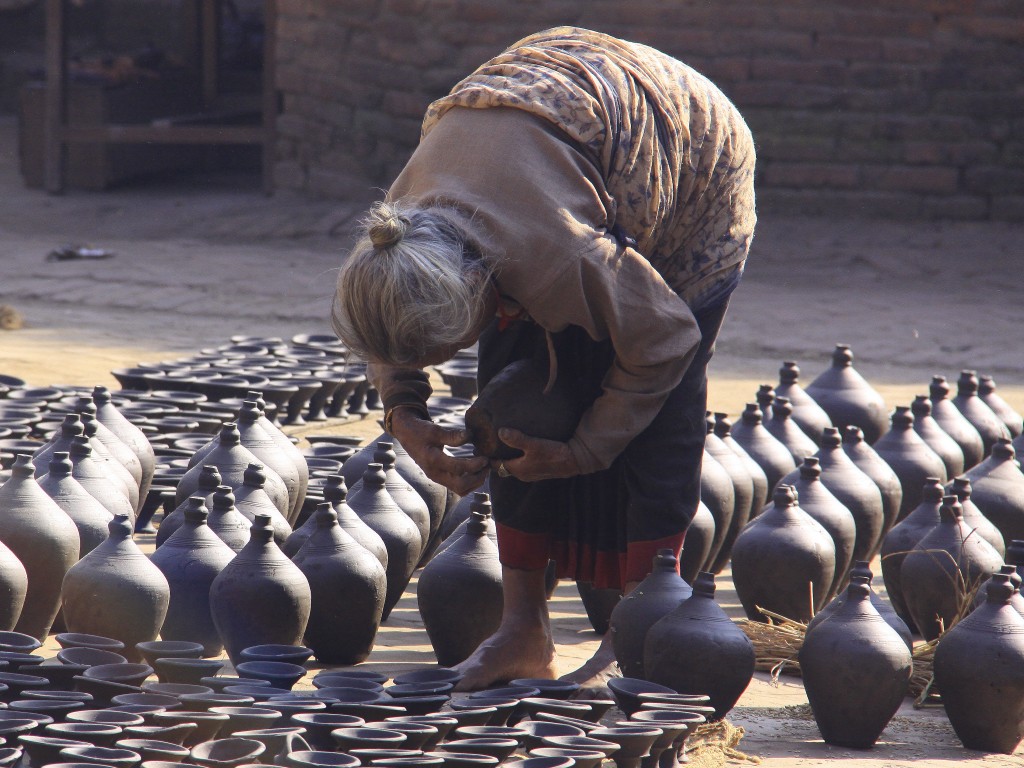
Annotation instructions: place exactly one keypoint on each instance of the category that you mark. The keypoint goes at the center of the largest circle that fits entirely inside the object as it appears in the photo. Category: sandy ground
(199, 259)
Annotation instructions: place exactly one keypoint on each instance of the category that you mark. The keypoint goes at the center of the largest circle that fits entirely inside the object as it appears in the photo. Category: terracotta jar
(377, 509)
(402, 492)
(718, 660)
(700, 536)
(762, 446)
(861, 573)
(252, 499)
(935, 437)
(807, 414)
(987, 392)
(743, 493)
(347, 586)
(718, 495)
(945, 566)
(43, 538)
(89, 472)
(998, 490)
(903, 537)
(787, 432)
(460, 593)
(909, 457)
(115, 591)
(207, 482)
(982, 418)
(979, 667)
(129, 434)
(723, 430)
(856, 671)
(783, 561)
(874, 466)
(190, 560)
(88, 515)
(848, 398)
(961, 488)
(953, 423)
(260, 597)
(227, 522)
(651, 600)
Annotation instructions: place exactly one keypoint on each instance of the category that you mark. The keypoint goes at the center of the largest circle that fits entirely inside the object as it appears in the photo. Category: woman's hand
(425, 442)
(541, 459)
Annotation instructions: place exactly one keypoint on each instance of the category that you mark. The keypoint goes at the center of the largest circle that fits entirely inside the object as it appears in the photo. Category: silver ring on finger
(502, 471)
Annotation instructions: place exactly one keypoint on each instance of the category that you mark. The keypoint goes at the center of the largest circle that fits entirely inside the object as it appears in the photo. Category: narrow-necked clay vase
(347, 587)
(460, 593)
(1015, 555)
(935, 437)
(336, 492)
(987, 392)
(1017, 601)
(979, 667)
(43, 538)
(819, 502)
(974, 409)
(856, 671)
(765, 398)
(401, 537)
(848, 398)
(787, 432)
(945, 567)
(718, 495)
(700, 536)
(226, 521)
(190, 560)
(874, 466)
(861, 573)
(910, 458)
(110, 417)
(252, 499)
(13, 588)
(762, 446)
(718, 660)
(998, 490)
(88, 470)
(962, 489)
(266, 448)
(650, 601)
(117, 458)
(953, 423)
(784, 561)
(723, 430)
(88, 515)
(116, 591)
(287, 447)
(807, 414)
(402, 492)
(743, 493)
(260, 597)
(70, 428)
(209, 480)
(903, 537)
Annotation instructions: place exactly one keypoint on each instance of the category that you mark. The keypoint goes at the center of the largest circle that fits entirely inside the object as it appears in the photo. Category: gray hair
(413, 283)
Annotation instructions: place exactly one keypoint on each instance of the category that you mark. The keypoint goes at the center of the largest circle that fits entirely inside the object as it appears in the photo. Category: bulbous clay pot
(719, 657)
(336, 493)
(771, 455)
(288, 448)
(903, 537)
(987, 392)
(945, 566)
(718, 495)
(700, 536)
(115, 591)
(129, 434)
(70, 428)
(783, 561)
(401, 537)
(260, 597)
(953, 423)
(267, 450)
(190, 560)
(961, 488)
(909, 457)
(787, 432)
(861, 573)
(982, 418)
(979, 667)
(252, 499)
(460, 592)
(652, 599)
(998, 490)
(89, 471)
(405, 496)
(88, 515)
(43, 538)
(874, 466)
(856, 671)
(819, 502)
(807, 414)
(743, 493)
(13, 588)
(227, 522)
(347, 585)
(847, 397)
(935, 437)
(723, 430)
(765, 398)
(1016, 601)
(117, 458)
(208, 481)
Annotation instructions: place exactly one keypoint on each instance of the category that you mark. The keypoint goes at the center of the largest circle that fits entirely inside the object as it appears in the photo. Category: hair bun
(387, 226)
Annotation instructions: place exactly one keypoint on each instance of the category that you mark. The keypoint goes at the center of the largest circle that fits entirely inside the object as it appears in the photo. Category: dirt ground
(201, 258)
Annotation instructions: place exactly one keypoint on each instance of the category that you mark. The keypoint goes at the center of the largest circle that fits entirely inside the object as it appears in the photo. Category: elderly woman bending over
(592, 199)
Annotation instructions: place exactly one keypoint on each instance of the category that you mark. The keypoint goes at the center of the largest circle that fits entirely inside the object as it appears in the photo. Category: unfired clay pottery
(861, 573)
(700, 535)
(874, 466)
(723, 430)
(252, 499)
(998, 490)
(110, 417)
(909, 457)
(88, 515)
(89, 471)
(807, 414)
(787, 432)
(743, 493)
(954, 424)
(226, 521)
(987, 392)
(935, 437)
(771, 455)
(848, 398)
(718, 495)
(404, 495)
(974, 409)
(961, 488)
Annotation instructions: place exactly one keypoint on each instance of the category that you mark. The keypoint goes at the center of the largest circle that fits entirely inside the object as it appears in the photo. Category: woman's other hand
(541, 459)
(425, 442)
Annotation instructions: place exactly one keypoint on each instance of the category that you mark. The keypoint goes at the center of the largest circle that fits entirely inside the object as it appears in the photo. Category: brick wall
(906, 108)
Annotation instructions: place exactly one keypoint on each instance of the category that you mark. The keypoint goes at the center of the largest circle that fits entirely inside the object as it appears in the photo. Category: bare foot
(511, 652)
(594, 675)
